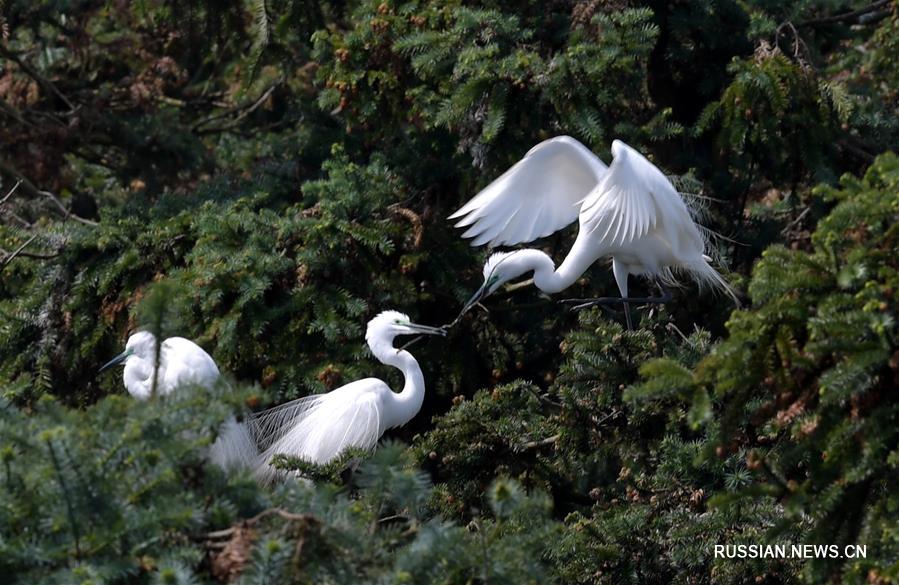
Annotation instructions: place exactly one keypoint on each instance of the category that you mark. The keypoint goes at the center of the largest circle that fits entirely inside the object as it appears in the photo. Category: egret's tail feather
(278, 430)
(706, 276)
(318, 429)
(234, 448)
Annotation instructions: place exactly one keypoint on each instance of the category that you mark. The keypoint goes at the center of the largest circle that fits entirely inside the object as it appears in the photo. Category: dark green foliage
(101, 495)
(806, 379)
(264, 177)
(777, 115)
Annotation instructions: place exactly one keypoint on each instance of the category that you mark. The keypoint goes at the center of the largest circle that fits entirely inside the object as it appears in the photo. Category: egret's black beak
(116, 360)
(476, 298)
(421, 330)
(428, 330)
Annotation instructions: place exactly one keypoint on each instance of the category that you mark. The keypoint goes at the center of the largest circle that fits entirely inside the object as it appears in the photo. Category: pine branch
(70, 508)
(846, 16)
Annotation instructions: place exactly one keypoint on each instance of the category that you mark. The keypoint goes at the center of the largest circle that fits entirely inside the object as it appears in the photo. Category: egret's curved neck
(406, 403)
(546, 277)
(138, 377)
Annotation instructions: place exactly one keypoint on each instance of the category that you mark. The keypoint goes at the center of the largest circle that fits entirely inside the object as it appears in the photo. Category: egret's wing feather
(633, 198)
(622, 207)
(319, 428)
(539, 195)
(185, 362)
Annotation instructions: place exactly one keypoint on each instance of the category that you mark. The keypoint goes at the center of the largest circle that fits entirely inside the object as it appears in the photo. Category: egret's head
(499, 269)
(388, 324)
(140, 345)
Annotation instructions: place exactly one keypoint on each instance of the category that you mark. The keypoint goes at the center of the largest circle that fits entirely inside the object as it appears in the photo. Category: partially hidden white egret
(182, 362)
(320, 427)
(628, 211)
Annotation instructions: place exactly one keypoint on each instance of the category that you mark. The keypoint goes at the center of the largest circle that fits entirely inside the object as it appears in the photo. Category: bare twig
(795, 222)
(673, 327)
(33, 255)
(800, 48)
(289, 516)
(11, 191)
(392, 518)
(539, 443)
(25, 224)
(513, 287)
(10, 257)
(599, 421)
(66, 213)
(30, 190)
(240, 111)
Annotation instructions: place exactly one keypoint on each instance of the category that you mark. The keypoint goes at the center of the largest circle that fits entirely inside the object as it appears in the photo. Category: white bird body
(628, 211)
(181, 363)
(319, 428)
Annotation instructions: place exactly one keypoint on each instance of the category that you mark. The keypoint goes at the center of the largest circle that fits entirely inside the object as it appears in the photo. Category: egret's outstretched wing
(319, 428)
(539, 195)
(633, 198)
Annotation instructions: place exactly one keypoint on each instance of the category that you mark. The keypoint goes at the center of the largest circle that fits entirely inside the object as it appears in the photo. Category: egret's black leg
(627, 315)
(664, 297)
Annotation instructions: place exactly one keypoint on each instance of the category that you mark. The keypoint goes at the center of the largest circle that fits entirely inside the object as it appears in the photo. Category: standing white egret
(183, 362)
(319, 428)
(629, 211)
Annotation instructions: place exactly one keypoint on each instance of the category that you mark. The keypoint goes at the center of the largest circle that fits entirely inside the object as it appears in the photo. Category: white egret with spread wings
(628, 211)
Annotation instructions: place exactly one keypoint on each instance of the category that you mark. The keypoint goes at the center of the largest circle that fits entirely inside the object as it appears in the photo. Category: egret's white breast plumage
(319, 428)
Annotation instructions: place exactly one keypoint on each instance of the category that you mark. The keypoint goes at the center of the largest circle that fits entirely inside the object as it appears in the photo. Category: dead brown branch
(539, 443)
(229, 557)
(415, 219)
(280, 512)
(40, 79)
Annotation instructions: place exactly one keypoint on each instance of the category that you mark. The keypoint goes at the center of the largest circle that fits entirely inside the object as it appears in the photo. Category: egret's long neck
(408, 402)
(138, 377)
(546, 277)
